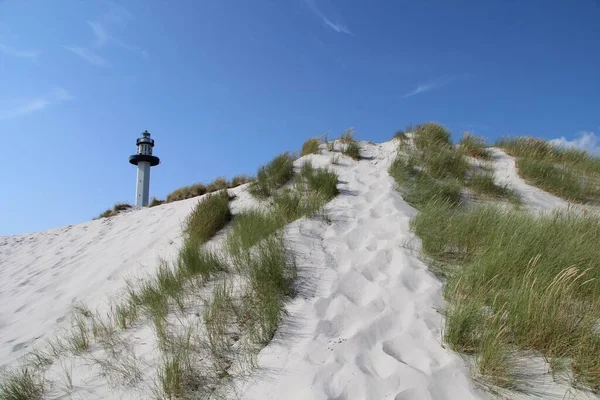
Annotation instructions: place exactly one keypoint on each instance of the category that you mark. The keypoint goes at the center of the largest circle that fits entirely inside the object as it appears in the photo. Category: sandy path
(367, 325)
(506, 173)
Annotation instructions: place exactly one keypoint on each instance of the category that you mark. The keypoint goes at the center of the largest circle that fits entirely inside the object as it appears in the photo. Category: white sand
(365, 324)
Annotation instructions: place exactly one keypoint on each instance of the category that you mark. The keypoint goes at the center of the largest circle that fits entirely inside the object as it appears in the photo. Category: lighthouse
(144, 160)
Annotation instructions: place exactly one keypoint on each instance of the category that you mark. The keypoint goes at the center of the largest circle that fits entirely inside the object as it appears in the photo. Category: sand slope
(44, 274)
(367, 326)
(366, 323)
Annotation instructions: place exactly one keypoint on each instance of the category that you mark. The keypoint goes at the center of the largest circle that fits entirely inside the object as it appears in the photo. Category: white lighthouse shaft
(143, 184)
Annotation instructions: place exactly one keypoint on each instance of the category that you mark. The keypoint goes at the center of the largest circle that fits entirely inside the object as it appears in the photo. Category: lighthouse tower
(144, 160)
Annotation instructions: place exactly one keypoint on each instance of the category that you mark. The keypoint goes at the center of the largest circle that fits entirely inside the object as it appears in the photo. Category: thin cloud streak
(35, 104)
(89, 56)
(116, 15)
(436, 84)
(99, 32)
(11, 51)
(337, 26)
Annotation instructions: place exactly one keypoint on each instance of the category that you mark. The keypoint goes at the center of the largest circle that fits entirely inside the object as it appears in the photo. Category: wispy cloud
(35, 104)
(435, 84)
(337, 25)
(11, 51)
(89, 56)
(103, 38)
(587, 141)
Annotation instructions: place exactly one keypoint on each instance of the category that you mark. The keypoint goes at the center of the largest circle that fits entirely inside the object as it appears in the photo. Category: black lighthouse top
(144, 151)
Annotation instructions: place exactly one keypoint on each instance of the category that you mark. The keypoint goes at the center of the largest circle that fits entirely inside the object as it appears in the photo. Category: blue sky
(225, 85)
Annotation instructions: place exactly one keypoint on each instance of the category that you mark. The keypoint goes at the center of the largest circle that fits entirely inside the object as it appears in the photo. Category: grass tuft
(155, 202)
(187, 192)
(431, 134)
(240, 180)
(273, 175)
(319, 180)
(347, 136)
(352, 150)
(117, 208)
(311, 146)
(474, 146)
(209, 216)
(217, 185)
(400, 135)
(271, 272)
(21, 384)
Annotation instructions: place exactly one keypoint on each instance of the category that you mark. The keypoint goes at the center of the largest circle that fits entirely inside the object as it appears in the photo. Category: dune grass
(347, 136)
(569, 173)
(256, 248)
(352, 150)
(155, 202)
(21, 384)
(311, 146)
(320, 181)
(271, 273)
(525, 282)
(273, 175)
(400, 135)
(483, 184)
(240, 180)
(418, 187)
(516, 282)
(117, 208)
(209, 216)
(187, 192)
(474, 146)
(430, 135)
(431, 168)
(218, 184)
(199, 189)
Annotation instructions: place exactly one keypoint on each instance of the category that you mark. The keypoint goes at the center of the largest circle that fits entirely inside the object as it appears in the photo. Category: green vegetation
(352, 150)
(434, 169)
(400, 135)
(568, 173)
(311, 146)
(199, 189)
(218, 184)
(474, 146)
(516, 282)
(22, 384)
(187, 192)
(209, 216)
(349, 146)
(246, 319)
(482, 183)
(273, 175)
(431, 135)
(347, 136)
(271, 272)
(111, 212)
(240, 180)
(320, 181)
(155, 202)
(524, 281)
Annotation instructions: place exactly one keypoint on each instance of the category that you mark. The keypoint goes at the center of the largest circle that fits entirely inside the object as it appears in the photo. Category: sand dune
(366, 323)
